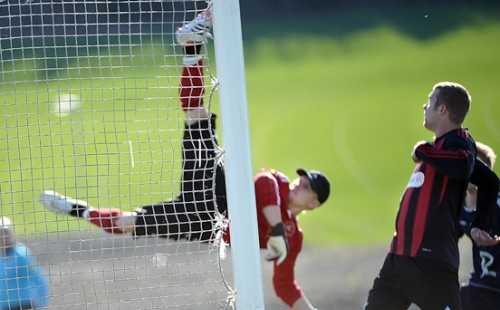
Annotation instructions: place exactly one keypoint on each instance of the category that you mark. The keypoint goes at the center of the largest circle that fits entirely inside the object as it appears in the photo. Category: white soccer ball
(64, 104)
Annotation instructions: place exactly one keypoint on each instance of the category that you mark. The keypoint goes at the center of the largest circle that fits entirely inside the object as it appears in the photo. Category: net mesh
(90, 109)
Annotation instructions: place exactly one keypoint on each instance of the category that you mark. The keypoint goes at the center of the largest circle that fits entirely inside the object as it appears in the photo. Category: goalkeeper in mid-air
(195, 214)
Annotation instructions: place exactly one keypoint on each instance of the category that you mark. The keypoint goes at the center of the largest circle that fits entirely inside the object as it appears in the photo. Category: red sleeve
(266, 189)
(284, 282)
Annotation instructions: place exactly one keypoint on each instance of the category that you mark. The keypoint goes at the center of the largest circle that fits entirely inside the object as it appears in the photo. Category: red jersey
(272, 189)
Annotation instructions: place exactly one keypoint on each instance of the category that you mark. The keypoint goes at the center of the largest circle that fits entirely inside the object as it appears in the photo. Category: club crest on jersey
(417, 179)
(290, 228)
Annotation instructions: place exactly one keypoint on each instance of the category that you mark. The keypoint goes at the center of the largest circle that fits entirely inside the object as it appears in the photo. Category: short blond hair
(486, 154)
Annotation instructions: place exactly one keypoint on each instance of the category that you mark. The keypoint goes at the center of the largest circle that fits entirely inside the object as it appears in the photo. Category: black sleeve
(456, 161)
(487, 189)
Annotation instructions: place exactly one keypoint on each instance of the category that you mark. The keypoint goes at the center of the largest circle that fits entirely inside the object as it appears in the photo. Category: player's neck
(444, 128)
(296, 209)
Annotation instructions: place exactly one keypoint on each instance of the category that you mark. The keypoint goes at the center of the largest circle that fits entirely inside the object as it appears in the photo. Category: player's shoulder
(271, 174)
(22, 249)
(264, 173)
(23, 254)
(460, 135)
(459, 139)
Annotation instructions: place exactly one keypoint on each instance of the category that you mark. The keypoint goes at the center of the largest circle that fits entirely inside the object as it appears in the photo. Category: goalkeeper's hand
(277, 245)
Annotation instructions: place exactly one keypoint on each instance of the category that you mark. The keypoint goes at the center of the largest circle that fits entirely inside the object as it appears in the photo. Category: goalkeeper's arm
(277, 245)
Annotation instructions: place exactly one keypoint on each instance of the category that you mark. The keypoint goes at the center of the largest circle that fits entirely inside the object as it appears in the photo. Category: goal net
(91, 110)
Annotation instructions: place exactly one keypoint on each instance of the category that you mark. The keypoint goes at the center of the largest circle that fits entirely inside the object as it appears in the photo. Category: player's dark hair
(456, 99)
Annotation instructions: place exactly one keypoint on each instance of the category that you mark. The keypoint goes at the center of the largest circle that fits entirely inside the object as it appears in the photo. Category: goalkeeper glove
(277, 245)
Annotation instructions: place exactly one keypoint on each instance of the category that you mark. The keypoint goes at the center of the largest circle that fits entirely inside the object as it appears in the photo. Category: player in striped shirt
(422, 264)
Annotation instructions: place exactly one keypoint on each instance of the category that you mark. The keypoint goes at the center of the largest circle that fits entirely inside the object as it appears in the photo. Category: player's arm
(456, 161)
(268, 198)
(272, 213)
(487, 183)
(277, 245)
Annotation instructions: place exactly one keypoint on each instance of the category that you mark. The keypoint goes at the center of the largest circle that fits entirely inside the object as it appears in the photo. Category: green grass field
(347, 102)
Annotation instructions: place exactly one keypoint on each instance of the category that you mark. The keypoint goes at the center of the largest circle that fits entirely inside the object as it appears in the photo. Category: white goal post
(243, 224)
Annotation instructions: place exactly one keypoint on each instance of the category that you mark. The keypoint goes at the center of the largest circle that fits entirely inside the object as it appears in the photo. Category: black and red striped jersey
(426, 223)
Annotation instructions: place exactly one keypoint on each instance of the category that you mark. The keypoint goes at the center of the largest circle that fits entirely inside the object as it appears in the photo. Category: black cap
(319, 183)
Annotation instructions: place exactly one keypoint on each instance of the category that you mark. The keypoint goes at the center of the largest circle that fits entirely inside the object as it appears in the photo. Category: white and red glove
(277, 245)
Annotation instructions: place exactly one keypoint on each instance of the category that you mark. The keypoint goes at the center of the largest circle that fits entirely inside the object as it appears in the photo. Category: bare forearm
(272, 214)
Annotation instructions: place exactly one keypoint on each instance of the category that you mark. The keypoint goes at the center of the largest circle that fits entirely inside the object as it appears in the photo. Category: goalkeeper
(196, 213)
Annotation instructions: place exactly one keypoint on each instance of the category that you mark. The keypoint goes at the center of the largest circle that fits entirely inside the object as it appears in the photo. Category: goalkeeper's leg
(112, 220)
(192, 37)
(174, 219)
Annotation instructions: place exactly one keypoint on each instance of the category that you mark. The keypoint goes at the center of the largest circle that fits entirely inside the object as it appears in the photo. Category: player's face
(301, 193)
(430, 111)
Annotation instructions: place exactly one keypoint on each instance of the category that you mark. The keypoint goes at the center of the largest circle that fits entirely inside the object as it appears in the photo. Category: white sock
(191, 60)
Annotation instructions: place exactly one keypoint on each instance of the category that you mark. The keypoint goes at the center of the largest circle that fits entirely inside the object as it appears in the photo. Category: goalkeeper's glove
(277, 245)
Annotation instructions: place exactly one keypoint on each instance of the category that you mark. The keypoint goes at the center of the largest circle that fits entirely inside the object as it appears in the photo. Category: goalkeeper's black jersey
(427, 220)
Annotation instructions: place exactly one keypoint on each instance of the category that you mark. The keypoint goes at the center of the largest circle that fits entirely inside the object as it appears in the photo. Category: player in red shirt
(195, 214)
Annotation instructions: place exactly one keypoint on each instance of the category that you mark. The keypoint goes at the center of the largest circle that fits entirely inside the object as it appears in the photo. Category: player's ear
(443, 108)
(314, 204)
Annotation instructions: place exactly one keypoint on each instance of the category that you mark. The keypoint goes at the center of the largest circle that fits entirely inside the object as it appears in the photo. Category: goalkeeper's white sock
(191, 60)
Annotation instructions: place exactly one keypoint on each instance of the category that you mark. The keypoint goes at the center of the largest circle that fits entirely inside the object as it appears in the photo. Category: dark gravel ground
(93, 270)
